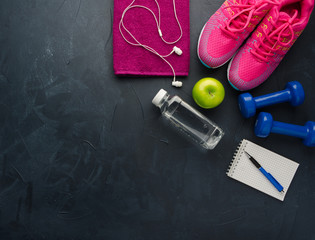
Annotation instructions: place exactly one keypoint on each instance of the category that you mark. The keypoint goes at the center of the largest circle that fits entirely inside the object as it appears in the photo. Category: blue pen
(267, 175)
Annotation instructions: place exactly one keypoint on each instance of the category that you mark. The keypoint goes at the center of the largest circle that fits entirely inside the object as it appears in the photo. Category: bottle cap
(158, 97)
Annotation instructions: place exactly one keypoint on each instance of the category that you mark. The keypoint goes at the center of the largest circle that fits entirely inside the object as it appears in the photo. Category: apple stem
(211, 94)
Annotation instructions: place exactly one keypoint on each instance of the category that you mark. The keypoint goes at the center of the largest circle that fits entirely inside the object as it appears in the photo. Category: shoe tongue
(284, 16)
(287, 16)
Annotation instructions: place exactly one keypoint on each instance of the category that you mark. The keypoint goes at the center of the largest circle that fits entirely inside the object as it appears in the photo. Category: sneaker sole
(228, 71)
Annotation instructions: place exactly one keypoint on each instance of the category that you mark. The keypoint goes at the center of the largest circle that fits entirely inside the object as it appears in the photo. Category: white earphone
(176, 50)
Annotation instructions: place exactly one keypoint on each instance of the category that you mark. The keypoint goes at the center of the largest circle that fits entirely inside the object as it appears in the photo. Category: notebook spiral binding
(236, 157)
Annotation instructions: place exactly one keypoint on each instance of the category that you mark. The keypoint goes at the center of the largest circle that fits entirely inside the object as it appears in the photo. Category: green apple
(208, 92)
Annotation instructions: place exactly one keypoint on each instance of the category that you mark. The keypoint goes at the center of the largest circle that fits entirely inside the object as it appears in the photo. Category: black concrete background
(83, 153)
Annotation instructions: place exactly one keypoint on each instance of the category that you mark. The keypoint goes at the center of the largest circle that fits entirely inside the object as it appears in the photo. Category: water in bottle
(188, 120)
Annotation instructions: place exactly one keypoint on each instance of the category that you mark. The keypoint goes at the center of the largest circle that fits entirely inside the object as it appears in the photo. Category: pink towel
(132, 60)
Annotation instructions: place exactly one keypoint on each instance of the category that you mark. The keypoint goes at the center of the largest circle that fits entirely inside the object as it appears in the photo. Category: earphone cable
(158, 23)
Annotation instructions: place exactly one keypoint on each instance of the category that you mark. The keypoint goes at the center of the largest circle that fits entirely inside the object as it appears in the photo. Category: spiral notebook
(243, 170)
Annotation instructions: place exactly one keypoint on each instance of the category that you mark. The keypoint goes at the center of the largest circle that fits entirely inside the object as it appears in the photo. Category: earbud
(178, 51)
(177, 84)
(160, 32)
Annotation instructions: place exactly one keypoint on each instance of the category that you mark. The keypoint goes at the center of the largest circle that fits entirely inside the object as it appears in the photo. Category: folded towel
(135, 60)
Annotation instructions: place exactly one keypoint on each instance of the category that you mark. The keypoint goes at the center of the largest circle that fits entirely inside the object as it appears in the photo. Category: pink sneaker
(228, 27)
(266, 47)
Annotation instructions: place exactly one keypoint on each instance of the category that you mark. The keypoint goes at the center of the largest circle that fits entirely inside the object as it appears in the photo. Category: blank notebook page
(243, 170)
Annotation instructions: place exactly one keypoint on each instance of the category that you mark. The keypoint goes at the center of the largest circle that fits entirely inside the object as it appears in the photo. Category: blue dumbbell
(265, 125)
(293, 93)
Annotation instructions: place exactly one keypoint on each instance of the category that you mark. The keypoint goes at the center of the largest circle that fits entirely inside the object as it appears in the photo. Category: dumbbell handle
(272, 98)
(289, 129)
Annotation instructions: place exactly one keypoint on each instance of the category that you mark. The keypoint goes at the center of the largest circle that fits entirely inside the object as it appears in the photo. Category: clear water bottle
(188, 120)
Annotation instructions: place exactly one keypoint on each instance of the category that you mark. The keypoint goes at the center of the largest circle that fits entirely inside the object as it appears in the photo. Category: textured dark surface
(83, 153)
